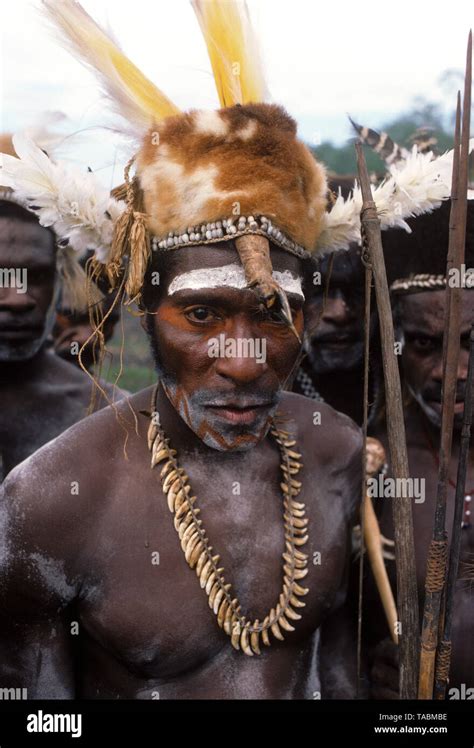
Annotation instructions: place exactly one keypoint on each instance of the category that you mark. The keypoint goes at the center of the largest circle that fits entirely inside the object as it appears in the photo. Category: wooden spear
(437, 553)
(443, 660)
(402, 511)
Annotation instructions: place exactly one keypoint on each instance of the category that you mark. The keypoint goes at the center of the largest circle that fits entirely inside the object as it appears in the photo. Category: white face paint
(231, 276)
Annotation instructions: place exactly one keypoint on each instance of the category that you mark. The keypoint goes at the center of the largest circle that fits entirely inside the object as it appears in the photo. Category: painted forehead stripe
(231, 276)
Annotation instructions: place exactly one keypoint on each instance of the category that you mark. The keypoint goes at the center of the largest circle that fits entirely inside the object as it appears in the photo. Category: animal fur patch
(204, 166)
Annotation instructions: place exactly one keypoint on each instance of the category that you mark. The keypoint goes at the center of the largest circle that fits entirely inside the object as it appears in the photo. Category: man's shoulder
(67, 379)
(321, 429)
(61, 372)
(78, 460)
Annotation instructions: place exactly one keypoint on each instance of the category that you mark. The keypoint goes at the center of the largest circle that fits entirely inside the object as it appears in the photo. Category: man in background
(333, 368)
(41, 394)
(416, 270)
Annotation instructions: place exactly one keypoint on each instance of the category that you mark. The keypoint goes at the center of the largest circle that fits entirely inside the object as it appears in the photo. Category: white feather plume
(64, 198)
(416, 185)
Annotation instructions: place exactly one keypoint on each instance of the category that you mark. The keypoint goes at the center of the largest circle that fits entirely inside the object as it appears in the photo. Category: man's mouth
(436, 405)
(240, 414)
(15, 332)
(335, 340)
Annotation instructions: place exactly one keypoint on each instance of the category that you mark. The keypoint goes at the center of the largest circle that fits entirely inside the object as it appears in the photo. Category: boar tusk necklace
(244, 634)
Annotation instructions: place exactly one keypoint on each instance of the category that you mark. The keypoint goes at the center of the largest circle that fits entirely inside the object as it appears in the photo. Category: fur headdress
(204, 176)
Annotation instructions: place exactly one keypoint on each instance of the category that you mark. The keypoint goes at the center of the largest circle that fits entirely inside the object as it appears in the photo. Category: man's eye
(200, 314)
(267, 315)
(423, 344)
(277, 316)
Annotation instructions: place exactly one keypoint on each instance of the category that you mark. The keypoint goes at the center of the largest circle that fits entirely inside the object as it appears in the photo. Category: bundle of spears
(425, 664)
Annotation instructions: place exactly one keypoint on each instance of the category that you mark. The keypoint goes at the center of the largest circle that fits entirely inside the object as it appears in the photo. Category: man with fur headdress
(41, 395)
(218, 422)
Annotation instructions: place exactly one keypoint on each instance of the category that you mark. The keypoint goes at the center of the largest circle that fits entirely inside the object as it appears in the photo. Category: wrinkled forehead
(345, 265)
(427, 309)
(219, 266)
(25, 244)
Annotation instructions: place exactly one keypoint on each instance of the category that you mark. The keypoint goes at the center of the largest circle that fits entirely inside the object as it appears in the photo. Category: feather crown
(64, 200)
(416, 260)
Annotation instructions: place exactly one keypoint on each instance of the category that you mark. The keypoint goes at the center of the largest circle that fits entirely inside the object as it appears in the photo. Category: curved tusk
(254, 254)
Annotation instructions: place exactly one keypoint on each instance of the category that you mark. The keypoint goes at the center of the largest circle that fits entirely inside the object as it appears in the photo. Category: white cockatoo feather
(30, 153)
(416, 185)
(66, 199)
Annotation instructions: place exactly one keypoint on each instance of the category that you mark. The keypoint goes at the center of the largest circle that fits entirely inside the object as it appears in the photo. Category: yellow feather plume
(138, 100)
(233, 50)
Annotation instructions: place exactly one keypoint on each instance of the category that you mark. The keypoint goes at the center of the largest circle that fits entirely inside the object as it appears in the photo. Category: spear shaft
(437, 553)
(443, 660)
(402, 511)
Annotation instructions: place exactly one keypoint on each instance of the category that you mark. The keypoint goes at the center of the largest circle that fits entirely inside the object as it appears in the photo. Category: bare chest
(145, 605)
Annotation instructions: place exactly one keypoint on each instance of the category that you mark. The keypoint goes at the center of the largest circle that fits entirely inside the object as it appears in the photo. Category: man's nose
(13, 301)
(248, 361)
(336, 310)
(463, 364)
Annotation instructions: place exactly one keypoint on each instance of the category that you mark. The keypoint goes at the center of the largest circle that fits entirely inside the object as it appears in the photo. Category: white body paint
(231, 276)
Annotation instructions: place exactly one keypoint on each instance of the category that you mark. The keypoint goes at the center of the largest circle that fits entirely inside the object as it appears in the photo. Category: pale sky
(322, 60)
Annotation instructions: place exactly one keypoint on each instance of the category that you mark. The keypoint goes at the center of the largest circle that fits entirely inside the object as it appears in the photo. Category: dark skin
(73, 328)
(41, 394)
(421, 321)
(145, 628)
(336, 328)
